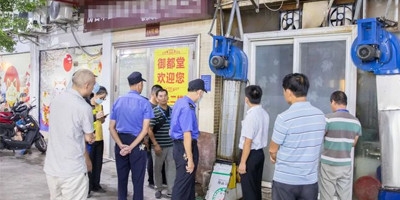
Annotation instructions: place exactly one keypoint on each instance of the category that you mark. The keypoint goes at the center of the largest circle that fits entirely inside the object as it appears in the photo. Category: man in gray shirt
(70, 125)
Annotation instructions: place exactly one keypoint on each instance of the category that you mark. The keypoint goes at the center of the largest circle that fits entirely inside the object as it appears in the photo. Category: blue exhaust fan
(227, 60)
(375, 49)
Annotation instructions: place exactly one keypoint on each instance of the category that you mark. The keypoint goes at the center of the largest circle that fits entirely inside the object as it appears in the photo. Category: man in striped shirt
(162, 144)
(342, 132)
(295, 146)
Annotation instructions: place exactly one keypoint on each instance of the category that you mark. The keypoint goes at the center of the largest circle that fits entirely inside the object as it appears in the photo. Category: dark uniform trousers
(251, 180)
(134, 162)
(184, 187)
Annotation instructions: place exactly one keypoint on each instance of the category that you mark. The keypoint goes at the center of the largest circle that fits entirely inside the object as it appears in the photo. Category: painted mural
(15, 79)
(56, 70)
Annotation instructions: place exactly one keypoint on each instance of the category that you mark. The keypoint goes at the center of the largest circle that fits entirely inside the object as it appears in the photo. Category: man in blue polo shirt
(129, 122)
(296, 143)
(184, 132)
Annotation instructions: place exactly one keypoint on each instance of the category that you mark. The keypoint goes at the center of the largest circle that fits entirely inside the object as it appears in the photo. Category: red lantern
(67, 62)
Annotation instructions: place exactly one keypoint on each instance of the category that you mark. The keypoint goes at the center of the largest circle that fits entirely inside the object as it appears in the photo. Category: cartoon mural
(56, 70)
(11, 79)
(11, 82)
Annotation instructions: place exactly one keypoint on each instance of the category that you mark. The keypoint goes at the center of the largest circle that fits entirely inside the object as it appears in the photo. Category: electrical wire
(274, 10)
(80, 46)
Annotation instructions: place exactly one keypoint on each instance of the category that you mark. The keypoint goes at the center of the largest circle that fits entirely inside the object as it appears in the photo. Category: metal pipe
(396, 11)
(256, 5)
(215, 17)
(239, 20)
(364, 9)
(221, 18)
(389, 3)
(228, 31)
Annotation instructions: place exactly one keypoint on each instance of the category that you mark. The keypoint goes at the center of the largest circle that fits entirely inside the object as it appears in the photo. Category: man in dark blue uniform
(129, 123)
(184, 132)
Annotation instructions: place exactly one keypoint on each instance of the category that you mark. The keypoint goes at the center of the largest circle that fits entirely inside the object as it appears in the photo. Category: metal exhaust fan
(226, 59)
(375, 49)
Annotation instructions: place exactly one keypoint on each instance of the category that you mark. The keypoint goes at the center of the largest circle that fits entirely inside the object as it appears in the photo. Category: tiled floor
(22, 178)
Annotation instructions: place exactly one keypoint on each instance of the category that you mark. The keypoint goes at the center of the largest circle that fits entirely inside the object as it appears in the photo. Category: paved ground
(22, 178)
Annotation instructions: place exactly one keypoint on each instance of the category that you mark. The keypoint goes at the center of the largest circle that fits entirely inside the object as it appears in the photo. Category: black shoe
(158, 195)
(100, 190)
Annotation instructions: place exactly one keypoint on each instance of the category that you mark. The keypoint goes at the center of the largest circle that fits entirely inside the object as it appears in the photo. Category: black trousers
(251, 180)
(96, 156)
(135, 162)
(150, 167)
(184, 187)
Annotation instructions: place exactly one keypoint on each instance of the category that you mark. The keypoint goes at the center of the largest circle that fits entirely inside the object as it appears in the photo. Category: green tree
(11, 24)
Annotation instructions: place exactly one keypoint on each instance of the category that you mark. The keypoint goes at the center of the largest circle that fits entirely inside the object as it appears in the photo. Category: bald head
(83, 81)
(82, 77)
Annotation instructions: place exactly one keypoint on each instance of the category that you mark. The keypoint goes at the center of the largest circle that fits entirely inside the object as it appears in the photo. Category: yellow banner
(171, 71)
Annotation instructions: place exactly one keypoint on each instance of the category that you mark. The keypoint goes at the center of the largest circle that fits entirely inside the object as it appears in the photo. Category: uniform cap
(197, 84)
(134, 78)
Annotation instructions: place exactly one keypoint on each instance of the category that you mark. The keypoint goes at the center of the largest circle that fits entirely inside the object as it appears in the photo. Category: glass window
(273, 62)
(129, 61)
(324, 64)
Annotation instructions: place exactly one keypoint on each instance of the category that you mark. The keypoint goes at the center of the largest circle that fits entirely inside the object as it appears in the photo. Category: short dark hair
(253, 93)
(297, 83)
(155, 88)
(102, 90)
(339, 97)
(161, 90)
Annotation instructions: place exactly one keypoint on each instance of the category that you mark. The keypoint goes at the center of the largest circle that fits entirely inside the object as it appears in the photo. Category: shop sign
(171, 71)
(101, 15)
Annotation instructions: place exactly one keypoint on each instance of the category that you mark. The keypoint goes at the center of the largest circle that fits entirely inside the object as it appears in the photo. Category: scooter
(19, 119)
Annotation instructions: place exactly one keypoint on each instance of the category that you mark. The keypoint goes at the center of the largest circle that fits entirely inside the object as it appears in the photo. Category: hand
(242, 168)
(157, 149)
(99, 115)
(122, 147)
(89, 138)
(273, 161)
(190, 166)
(125, 151)
(102, 120)
(146, 142)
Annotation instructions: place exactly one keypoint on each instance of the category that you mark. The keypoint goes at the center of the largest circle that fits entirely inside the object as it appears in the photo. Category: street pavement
(22, 178)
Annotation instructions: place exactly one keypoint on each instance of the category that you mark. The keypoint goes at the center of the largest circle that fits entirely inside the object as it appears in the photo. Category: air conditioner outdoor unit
(61, 12)
(38, 22)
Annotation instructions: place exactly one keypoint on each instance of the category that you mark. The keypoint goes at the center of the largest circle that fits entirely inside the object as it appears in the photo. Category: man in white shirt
(70, 125)
(254, 137)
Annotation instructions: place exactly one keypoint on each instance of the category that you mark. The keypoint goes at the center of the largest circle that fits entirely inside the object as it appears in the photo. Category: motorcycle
(19, 120)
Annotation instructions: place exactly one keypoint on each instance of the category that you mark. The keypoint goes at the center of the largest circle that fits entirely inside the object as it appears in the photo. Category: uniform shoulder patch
(191, 106)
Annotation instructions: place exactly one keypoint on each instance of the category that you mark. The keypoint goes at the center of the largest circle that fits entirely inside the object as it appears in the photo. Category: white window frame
(297, 37)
